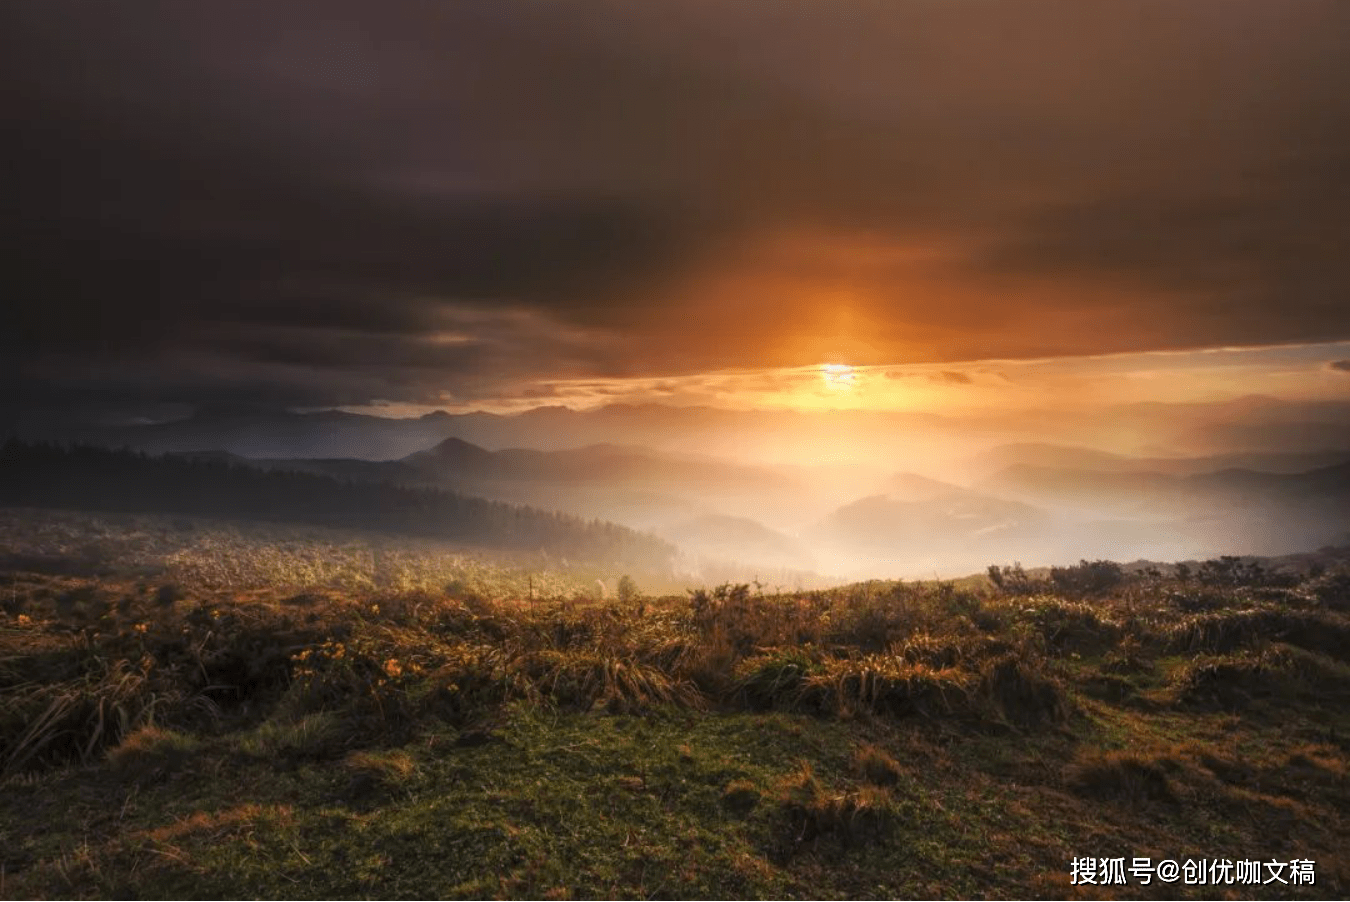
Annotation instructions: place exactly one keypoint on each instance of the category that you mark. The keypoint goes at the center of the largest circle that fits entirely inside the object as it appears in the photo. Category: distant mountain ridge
(1246, 425)
(600, 462)
(88, 478)
(1081, 458)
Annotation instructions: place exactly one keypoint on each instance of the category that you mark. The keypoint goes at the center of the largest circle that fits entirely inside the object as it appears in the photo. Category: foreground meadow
(167, 734)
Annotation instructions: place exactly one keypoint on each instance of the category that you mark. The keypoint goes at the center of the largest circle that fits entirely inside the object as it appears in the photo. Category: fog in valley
(805, 497)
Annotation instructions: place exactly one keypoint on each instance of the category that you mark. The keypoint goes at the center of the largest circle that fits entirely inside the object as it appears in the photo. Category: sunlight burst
(838, 376)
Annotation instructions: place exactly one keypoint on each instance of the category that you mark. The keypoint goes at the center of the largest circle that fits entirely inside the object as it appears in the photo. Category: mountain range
(645, 467)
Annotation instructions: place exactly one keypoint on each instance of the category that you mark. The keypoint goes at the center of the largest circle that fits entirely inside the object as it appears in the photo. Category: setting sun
(838, 376)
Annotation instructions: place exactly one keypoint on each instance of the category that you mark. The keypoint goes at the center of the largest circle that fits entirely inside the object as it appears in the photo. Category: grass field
(169, 732)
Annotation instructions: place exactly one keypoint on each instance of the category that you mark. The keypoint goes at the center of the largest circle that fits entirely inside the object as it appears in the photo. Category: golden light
(838, 376)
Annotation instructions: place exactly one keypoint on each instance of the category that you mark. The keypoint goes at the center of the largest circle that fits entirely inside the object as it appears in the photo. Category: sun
(838, 376)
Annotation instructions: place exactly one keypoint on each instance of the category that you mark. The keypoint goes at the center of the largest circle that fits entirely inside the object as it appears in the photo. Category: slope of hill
(84, 478)
(1162, 493)
(913, 487)
(883, 535)
(608, 463)
(881, 740)
(676, 496)
(633, 485)
(1085, 489)
(1036, 454)
(738, 539)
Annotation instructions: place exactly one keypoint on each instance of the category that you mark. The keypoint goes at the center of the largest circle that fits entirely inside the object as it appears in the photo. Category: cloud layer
(309, 204)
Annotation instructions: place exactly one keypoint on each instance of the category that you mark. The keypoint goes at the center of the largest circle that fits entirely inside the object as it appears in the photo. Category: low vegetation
(163, 736)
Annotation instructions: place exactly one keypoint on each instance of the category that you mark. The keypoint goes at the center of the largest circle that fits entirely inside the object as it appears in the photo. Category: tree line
(83, 477)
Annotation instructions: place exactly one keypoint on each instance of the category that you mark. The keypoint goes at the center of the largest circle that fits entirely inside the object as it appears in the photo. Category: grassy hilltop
(171, 732)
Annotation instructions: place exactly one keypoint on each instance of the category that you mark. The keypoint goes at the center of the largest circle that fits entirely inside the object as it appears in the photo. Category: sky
(496, 205)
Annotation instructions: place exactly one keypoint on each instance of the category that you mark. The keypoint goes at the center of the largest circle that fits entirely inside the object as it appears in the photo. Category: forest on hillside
(98, 479)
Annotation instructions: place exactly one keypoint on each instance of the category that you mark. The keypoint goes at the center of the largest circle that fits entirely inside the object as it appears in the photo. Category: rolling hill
(96, 479)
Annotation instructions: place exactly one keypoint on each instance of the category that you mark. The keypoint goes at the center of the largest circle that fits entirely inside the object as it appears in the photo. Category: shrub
(1014, 579)
(1332, 590)
(1087, 577)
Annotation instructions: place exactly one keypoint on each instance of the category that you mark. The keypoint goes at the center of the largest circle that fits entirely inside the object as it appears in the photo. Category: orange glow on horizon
(838, 376)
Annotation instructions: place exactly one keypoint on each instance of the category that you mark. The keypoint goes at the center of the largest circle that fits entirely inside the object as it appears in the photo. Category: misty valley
(759, 496)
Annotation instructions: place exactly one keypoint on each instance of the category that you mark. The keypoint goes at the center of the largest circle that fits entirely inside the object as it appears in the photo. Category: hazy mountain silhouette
(1097, 489)
(913, 487)
(740, 539)
(913, 440)
(603, 463)
(1038, 454)
(88, 478)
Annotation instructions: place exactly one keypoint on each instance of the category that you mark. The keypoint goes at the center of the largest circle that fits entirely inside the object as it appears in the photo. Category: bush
(1087, 577)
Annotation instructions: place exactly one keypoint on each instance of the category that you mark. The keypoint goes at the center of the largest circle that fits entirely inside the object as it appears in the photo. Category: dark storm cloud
(312, 203)
(1342, 365)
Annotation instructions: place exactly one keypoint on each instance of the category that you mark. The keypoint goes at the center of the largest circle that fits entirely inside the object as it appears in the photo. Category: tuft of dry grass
(886, 684)
(388, 770)
(812, 815)
(875, 765)
(1128, 777)
(152, 752)
(282, 736)
(593, 680)
(1276, 672)
(740, 797)
(1018, 690)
